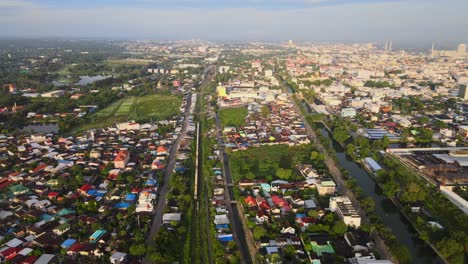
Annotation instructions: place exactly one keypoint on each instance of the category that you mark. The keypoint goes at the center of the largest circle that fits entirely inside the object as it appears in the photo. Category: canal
(384, 208)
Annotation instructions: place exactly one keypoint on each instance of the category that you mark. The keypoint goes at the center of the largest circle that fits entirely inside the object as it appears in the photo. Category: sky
(410, 21)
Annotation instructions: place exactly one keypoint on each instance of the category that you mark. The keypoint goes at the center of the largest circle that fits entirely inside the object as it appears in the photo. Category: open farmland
(142, 108)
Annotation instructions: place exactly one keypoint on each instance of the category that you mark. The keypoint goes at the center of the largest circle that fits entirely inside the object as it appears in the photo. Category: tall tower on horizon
(388, 46)
(433, 49)
(463, 92)
(461, 48)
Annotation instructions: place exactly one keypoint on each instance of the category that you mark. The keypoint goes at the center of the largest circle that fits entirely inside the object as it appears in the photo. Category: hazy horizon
(414, 23)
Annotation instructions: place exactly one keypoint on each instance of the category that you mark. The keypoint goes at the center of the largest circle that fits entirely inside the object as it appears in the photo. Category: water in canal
(384, 208)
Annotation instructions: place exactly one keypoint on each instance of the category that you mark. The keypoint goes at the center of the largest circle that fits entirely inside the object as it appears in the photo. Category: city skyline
(404, 23)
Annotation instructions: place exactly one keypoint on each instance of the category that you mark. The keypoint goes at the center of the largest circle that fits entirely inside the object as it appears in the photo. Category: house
(61, 229)
(30, 260)
(250, 201)
(121, 160)
(97, 235)
(45, 259)
(357, 240)
(74, 249)
(319, 249)
(225, 238)
(221, 219)
(14, 242)
(326, 188)
(68, 243)
(169, 217)
(95, 154)
(83, 190)
(18, 189)
(118, 258)
(288, 230)
(9, 253)
(261, 217)
(162, 151)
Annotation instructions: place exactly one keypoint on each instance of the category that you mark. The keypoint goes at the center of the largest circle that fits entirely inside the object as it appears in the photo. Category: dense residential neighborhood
(203, 152)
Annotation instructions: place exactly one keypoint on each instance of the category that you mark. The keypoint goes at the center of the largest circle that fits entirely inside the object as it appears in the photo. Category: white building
(57, 93)
(348, 112)
(342, 206)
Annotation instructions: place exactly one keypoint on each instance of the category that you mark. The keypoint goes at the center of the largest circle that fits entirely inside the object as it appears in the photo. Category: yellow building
(221, 91)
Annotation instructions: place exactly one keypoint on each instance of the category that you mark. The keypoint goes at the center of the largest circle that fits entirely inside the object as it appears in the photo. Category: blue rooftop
(65, 211)
(97, 235)
(150, 182)
(122, 205)
(46, 217)
(225, 238)
(130, 197)
(68, 243)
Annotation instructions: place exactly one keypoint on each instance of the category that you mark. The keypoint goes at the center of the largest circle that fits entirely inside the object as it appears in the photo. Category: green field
(129, 62)
(266, 161)
(233, 116)
(144, 108)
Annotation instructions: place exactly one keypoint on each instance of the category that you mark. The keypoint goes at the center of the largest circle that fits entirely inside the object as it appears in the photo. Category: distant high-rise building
(461, 48)
(290, 42)
(388, 46)
(463, 92)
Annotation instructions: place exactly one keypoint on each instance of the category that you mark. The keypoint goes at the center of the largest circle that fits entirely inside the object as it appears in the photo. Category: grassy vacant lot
(233, 116)
(264, 162)
(143, 108)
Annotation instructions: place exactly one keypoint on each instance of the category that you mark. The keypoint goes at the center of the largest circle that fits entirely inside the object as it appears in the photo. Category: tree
(314, 155)
(367, 204)
(339, 228)
(385, 142)
(449, 247)
(232, 245)
(259, 232)
(130, 179)
(250, 175)
(265, 111)
(440, 124)
(390, 188)
(274, 259)
(413, 192)
(401, 252)
(283, 174)
(313, 214)
(423, 120)
(289, 252)
(137, 249)
(340, 135)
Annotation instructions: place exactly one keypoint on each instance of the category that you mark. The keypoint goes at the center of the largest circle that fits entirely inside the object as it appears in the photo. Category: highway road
(234, 215)
(161, 203)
